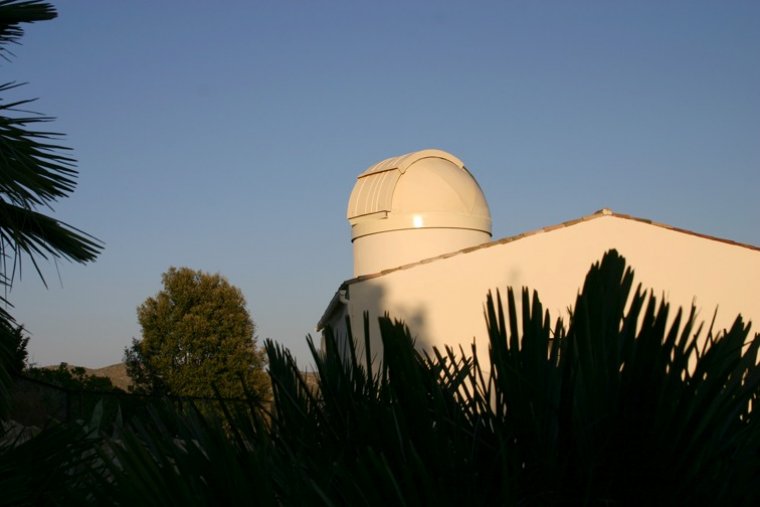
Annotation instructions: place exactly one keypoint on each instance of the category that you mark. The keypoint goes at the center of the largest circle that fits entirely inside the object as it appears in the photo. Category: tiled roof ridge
(598, 214)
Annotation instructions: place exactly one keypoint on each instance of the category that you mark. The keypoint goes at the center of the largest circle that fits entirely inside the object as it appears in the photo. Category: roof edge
(332, 306)
(605, 212)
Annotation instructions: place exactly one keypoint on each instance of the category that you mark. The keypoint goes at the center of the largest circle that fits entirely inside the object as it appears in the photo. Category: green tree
(71, 377)
(196, 334)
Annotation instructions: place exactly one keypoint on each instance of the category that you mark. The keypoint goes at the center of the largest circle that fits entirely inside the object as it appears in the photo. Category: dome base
(377, 252)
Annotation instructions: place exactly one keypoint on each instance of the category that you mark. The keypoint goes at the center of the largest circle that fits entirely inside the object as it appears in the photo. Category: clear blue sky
(227, 136)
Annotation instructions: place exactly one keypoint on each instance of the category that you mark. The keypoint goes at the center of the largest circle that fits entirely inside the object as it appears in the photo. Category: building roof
(598, 214)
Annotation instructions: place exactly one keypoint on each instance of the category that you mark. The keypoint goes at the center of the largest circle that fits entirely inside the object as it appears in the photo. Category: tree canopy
(196, 334)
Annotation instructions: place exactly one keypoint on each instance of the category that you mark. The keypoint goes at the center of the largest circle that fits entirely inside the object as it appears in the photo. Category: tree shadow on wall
(363, 320)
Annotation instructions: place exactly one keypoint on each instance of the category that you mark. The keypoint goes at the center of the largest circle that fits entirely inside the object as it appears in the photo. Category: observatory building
(414, 207)
(423, 253)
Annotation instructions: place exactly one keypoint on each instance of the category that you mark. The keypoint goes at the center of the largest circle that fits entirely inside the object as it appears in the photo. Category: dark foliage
(623, 406)
(75, 378)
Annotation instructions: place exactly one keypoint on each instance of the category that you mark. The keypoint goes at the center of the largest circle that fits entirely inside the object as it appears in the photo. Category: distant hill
(117, 373)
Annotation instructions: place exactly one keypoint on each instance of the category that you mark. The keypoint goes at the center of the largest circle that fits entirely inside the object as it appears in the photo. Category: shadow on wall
(370, 297)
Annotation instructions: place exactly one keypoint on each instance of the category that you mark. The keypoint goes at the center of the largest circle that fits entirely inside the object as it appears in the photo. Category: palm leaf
(13, 13)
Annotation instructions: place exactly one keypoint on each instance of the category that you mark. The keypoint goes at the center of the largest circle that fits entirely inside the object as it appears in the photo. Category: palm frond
(622, 405)
(13, 13)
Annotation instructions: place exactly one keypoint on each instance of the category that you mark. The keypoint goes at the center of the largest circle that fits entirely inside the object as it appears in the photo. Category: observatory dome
(415, 206)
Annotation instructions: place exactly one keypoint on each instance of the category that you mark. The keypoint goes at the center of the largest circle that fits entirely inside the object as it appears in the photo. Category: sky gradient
(227, 137)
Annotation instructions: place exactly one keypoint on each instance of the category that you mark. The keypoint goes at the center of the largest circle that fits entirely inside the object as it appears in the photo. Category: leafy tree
(75, 395)
(196, 336)
(16, 340)
(71, 377)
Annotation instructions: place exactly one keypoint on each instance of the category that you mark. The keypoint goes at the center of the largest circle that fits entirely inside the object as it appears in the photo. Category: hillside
(117, 373)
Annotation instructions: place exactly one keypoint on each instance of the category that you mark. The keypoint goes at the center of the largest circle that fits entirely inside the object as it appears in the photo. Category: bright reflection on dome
(417, 221)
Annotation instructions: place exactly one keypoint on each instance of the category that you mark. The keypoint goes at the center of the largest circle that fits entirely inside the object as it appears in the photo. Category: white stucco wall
(442, 299)
(377, 252)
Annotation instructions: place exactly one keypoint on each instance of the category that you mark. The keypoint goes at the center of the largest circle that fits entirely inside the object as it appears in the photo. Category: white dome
(413, 207)
(421, 190)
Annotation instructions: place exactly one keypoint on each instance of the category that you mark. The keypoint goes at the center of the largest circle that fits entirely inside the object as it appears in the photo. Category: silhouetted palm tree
(34, 173)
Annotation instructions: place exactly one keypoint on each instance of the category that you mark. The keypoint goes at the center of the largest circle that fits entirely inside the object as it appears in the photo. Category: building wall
(377, 252)
(442, 300)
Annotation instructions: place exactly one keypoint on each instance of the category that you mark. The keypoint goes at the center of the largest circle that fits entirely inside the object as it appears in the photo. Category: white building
(423, 253)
